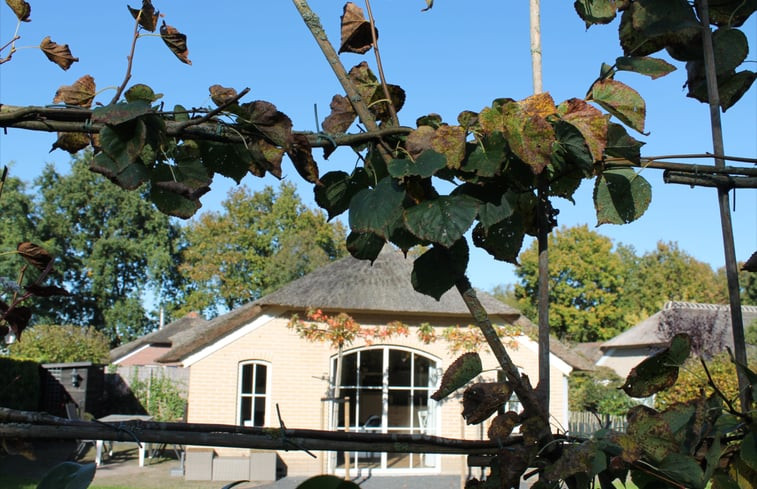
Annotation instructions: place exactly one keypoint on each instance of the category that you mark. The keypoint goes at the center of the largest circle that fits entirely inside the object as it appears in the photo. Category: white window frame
(266, 396)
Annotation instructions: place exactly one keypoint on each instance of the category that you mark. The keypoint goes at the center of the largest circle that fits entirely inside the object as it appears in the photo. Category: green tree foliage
(668, 274)
(112, 247)
(748, 283)
(58, 344)
(598, 392)
(161, 397)
(260, 241)
(597, 290)
(586, 282)
(692, 381)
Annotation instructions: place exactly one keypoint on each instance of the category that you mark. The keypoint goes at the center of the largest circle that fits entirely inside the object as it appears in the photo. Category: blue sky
(458, 56)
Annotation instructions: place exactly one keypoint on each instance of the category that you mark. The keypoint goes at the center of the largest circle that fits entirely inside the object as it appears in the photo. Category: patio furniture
(119, 418)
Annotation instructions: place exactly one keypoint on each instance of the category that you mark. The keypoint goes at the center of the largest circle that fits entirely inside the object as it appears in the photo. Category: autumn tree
(112, 247)
(586, 282)
(668, 273)
(259, 242)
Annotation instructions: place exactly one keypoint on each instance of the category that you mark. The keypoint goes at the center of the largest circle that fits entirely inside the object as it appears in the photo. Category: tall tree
(260, 241)
(17, 224)
(668, 273)
(113, 248)
(586, 280)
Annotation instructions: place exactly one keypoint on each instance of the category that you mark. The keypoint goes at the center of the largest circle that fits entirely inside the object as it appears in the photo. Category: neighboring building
(708, 324)
(246, 363)
(148, 348)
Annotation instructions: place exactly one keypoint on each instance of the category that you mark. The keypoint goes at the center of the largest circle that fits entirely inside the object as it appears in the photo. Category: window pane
(246, 387)
(245, 409)
(349, 370)
(260, 373)
(421, 371)
(352, 394)
(399, 408)
(259, 411)
(371, 368)
(399, 368)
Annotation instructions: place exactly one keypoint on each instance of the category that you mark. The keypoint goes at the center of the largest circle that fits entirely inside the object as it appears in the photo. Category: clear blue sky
(458, 56)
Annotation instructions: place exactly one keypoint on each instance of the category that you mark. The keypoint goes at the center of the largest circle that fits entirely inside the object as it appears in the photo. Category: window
(253, 387)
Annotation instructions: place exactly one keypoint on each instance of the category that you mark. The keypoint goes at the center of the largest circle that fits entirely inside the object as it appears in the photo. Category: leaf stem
(380, 66)
(130, 59)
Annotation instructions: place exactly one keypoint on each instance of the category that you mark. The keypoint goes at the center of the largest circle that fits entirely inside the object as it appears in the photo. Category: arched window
(389, 390)
(253, 393)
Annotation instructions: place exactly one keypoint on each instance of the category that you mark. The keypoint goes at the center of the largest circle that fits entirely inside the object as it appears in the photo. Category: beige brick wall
(297, 378)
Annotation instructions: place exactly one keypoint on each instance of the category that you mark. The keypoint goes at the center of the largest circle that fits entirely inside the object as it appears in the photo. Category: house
(247, 366)
(709, 325)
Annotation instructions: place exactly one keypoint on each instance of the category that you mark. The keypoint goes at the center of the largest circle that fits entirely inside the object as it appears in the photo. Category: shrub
(161, 397)
(20, 384)
(61, 344)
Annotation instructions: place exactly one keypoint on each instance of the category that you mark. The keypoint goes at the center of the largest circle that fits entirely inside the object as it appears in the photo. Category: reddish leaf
(72, 142)
(419, 140)
(356, 31)
(21, 8)
(301, 155)
(147, 15)
(591, 123)
(266, 119)
(57, 53)
(221, 95)
(481, 400)
(81, 93)
(620, 100)
(176, 42)
(342, 115)
(35, 255)
(46, 290)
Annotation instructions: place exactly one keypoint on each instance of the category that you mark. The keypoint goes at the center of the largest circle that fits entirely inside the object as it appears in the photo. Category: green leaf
(425, 165)
(730, 12)
(733, 88)
(365, 246)
(621, 145)
(648, 26)
(487, 159)
(596, 11)
(141, 92)
(119, 158)
(586, 458)
(652, 67)
(591, 123)
(442, 220)
(174, 203)
(621, 196)
(748, 451)
(327, 482)
(376, 210)
(683, 469)
(503, 240)
(68, 475)
(570, 151)
(490, 214)
(465, 368)
(620, 100)
(438, 269)
(116, 114)
(659, 371)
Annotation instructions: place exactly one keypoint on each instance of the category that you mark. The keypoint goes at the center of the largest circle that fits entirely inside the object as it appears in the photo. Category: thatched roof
(714, 318)
(350, 285)
(165, 336)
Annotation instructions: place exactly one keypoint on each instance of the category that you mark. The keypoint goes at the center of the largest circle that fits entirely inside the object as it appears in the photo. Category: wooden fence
(584, 423)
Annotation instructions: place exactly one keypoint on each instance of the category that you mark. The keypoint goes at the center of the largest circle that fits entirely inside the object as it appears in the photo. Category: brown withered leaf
(21, 8)
(265, 157)
(46, 290)
(419, 140)
(269, 121)
(17, 317)
(481, 400)
(221, 95)
(34, 254)
(450, 141)
(72, 142)
(356, 31)
(176, 42)
(149, 16)
(301, 155)
(342, 115)
(590, 122)
(80, 94)
(57, 53)
(502, 425)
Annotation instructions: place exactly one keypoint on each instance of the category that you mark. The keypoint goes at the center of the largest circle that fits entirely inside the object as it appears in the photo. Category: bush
(161, 397)
(598, 392)
(20, 384)
(61, 344)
